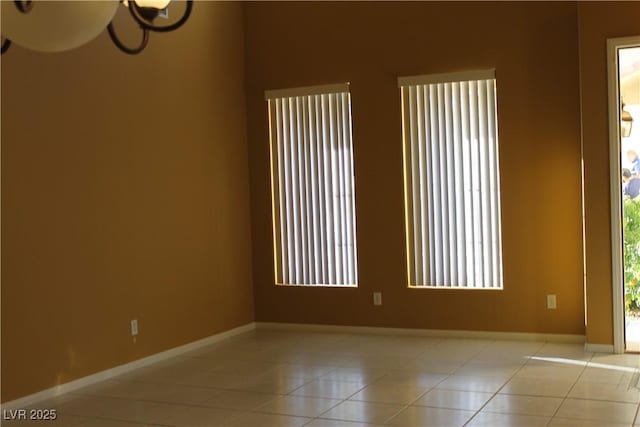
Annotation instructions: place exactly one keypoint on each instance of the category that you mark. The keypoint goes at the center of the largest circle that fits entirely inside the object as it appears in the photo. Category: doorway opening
(624, 126)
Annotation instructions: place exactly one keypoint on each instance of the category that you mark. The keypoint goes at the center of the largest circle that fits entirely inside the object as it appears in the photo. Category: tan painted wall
(124, 195)
(597, 22)
(534, 48)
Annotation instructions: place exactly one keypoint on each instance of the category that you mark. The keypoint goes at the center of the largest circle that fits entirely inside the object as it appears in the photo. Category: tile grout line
(449, 375)
(501, 387)
(404, 406)
(564, 398)
(635, 417)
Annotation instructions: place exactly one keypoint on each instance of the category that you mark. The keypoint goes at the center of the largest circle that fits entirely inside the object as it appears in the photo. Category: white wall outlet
(551, 302)
(134, 327)
(377, 298)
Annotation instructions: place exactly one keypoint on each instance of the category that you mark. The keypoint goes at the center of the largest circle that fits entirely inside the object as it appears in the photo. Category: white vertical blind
(452, 180)
(313, 186)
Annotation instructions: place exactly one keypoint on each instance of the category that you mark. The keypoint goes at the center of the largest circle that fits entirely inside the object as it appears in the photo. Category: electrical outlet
(134, 327)
(377, 298)
(551, 302)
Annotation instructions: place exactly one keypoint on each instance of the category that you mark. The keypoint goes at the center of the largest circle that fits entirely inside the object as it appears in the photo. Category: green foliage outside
(631, 243)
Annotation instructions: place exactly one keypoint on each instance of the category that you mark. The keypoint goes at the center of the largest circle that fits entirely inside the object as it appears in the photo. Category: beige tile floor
(271, 378)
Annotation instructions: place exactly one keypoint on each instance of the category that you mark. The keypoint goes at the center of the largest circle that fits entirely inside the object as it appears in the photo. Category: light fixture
(56, 26)
(626, 121)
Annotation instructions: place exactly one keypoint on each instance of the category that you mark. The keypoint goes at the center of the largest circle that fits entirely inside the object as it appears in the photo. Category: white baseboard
(127, 367)
(598, 348)
(441, 333)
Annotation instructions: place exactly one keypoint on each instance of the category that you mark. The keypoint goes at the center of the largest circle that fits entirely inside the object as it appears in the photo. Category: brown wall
(534, 48)
(124, 195)
(598, 21)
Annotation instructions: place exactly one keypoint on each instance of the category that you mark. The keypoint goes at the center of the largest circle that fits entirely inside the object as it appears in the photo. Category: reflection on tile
(454, 399)
(564, 351)
(538, 387)
(244, 367)
(308, 372)
(424, 416)
(224, 380)
(491, 419)
(603, 391)
(240, 400)
(359, 375)
(605, 375)
(526, 405)
(196, 416)
(299, 405)
(545, 371)
(472, 383)
(180, 394)
(143, 412)
(630, 361)
(320, 422)
(389, 393)
(435, 366)
(597, 410)
(490, 369)
(281, 385)
(267, 420)
(508, 351)
(573, 422)
(328, 388)
(411, 378)
(368, 412)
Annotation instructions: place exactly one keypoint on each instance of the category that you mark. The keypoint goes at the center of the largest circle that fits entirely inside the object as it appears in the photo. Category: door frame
(613, 45)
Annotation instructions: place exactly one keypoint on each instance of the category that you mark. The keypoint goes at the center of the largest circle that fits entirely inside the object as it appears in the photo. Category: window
(312, 186)
(452, 185)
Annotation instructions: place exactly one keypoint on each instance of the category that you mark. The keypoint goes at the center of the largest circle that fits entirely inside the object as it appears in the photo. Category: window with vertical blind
(452, 183)
(314, 227)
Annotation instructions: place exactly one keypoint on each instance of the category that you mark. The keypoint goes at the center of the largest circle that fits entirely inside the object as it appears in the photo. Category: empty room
(322, 214)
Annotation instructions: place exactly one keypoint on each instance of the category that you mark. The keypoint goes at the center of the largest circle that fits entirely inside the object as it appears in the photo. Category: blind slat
(313, 188)
(459, 183)
(321, 187)
(416, 168)
(288, 166)
(421, 220)
(451, 168)
(434, 183)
